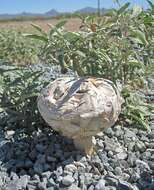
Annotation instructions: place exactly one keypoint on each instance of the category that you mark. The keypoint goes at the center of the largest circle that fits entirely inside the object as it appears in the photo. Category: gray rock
(42, 186)
(110, 154)
(38, 168)
(139, 146)
(121, 156)
(59, 171)
(88, 178)
(118, 171)
(28, 164)
(131, 159)
(51, 159)
(131, 146)
(50, 188)
(70, 167)
(123, 185)
(19, 183)
(111, 181)
(100, 144)
(46, 174)
(73, 187)
(125, 176)
(129, 134)
(91, 187)
(41, 159)
(100, 185)
(151, 135)
(50, 182)
(67, 180)
(9, 133)
(146, 155)
(143, 166)
(110, 188)
(110, 144)
(13, 176)
(109, 132)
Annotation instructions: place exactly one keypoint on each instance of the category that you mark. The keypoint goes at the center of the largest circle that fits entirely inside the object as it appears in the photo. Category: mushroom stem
(84, 144)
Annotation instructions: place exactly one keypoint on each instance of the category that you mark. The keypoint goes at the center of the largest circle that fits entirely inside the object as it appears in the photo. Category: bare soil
(73, 24)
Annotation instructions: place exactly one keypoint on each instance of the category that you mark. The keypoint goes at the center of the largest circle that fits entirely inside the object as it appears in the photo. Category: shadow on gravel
(43, 155)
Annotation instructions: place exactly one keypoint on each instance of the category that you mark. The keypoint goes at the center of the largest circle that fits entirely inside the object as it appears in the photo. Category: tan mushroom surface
(80, 108)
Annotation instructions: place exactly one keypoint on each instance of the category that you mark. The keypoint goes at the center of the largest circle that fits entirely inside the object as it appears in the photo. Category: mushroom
(79, 108)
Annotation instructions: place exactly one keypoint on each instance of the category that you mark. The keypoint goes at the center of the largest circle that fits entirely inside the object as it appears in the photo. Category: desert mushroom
(80, 108)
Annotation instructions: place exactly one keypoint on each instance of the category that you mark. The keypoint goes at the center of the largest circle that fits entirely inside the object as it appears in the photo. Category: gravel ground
(123, 160)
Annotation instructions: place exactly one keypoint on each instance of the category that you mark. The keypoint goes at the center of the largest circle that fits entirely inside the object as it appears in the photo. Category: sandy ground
(73, 24)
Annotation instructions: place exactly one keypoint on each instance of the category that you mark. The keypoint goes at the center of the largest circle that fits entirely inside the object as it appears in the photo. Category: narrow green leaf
(39, 29)
(140, 35)
(123, 8)
(37, 37)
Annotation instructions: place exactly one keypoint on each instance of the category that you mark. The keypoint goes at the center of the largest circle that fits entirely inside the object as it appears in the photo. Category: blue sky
(41, 6)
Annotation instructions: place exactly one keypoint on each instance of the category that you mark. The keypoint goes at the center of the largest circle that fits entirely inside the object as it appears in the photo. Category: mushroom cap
(80, 107)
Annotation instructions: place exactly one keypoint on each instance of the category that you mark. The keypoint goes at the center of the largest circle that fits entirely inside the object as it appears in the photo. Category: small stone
(118, 149)
(131, 146)
(91, 187)
(151, 135)
(110, 188)
(129, 134)
(100, 185)
(51, 182)
(13, 176)
(118, 171)
(46, 167)
(28, 164)
(40, 148)
(142, 165)
(41, 159)
(109, 132)
(41, 186)
(146, 155)
(100, 144)
(123, 185)
(125, 176)
(51, 159)
(121, 155)
(111, 181)
(30, 187)
(70, 167)
(9, 133)
(38, 168)
(59, 171)
(73, 187)
(110, 154)
(59, 179)
(139, 146)
(33, 154)
(67, 180)
(131, 159)
(46, 174)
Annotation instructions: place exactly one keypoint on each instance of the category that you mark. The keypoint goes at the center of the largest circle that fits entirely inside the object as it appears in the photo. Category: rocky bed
(123, 160)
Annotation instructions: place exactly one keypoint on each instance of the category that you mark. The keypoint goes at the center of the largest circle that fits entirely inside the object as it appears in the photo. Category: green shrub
(119, 46)
(16, 49)
(20, 87)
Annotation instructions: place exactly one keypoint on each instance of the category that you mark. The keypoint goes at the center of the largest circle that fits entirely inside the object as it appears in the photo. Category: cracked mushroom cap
(80, 107)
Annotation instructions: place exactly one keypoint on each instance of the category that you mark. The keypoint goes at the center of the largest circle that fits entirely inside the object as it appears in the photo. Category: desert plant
(15, 49)
(20, 87)
(119, 47)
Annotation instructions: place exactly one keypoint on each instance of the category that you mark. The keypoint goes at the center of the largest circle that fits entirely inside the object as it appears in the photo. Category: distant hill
(90, 10)
(87, 10)
(51, 12)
